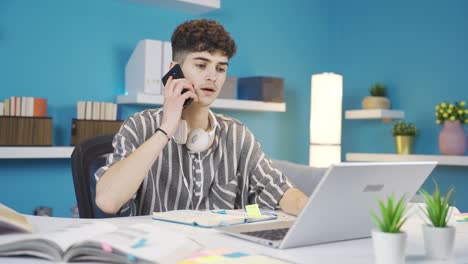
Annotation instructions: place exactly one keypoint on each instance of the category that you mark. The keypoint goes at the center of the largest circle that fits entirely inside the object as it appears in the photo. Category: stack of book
(93, 119)
(89, 110)
(24, 106)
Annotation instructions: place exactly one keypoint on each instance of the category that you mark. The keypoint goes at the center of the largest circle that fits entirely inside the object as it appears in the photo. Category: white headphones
(197, 139)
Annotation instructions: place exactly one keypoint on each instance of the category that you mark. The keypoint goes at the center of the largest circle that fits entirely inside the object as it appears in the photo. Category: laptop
(338, 208)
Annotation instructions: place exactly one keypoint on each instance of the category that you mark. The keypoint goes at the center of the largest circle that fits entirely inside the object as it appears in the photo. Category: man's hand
(174, 102)
(293, 201)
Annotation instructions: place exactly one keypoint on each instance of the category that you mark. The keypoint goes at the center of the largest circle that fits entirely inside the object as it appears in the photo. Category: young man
(226, 169)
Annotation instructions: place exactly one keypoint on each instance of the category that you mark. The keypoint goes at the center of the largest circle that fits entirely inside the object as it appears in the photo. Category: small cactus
(378, 89)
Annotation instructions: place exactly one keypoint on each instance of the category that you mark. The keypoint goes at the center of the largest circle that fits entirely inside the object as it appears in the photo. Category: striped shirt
(231, 174)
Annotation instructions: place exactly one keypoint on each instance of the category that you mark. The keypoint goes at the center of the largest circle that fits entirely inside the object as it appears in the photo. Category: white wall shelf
(374, 114)
(441, 159)
(219, 103)
(189, 6)
(35, 152)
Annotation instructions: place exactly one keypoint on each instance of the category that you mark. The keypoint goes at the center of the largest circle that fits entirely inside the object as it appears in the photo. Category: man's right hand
(174, 102)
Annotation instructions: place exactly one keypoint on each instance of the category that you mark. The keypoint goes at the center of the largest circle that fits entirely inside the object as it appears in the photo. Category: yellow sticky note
(209, 259)
(253, 210)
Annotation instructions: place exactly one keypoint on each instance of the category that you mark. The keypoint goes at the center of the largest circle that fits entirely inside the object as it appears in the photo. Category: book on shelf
(212, 218)
(90, 110)
(24, 106)
(95, 241)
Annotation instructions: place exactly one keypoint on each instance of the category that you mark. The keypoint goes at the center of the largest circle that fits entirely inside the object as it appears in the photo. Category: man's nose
(211, 75)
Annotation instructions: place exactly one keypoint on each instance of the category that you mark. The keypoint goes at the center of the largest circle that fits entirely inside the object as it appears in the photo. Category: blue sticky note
(140, 243)
(132, 258)
(219, 211)
(235, 255)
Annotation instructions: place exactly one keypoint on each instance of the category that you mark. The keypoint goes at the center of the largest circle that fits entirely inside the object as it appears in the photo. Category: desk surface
(353, 251)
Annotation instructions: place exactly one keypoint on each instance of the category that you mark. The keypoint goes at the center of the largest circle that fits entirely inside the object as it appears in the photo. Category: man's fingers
(167, 90)
(189, 94)
(182, 84)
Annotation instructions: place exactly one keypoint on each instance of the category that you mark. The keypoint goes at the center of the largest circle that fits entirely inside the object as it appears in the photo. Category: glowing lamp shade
(325, 119)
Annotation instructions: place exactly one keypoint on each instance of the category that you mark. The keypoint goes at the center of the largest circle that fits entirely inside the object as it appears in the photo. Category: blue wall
(419, 50)
(76, 50)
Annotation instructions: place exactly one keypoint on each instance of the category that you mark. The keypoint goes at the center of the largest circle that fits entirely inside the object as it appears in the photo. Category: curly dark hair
(201, 35)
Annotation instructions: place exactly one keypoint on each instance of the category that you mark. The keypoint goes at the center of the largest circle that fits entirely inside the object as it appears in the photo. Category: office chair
(87, 158)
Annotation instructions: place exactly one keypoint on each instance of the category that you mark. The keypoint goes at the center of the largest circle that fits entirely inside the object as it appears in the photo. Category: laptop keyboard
(273, 234)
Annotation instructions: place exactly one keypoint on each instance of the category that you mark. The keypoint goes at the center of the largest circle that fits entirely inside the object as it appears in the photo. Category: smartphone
(176, 73)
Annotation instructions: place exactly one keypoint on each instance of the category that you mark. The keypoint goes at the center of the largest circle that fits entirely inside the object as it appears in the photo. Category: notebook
(92, 241)
(212, 218)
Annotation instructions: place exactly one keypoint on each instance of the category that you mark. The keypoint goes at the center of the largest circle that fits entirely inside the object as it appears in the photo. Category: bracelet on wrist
(164, 132)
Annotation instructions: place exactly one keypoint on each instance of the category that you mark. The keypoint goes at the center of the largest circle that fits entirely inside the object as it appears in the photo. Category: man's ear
(172, 64)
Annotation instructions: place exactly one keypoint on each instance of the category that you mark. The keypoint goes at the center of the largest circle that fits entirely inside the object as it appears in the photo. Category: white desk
(354, 251)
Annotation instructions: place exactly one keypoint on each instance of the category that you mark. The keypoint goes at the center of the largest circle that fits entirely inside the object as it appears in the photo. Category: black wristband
(164, 132)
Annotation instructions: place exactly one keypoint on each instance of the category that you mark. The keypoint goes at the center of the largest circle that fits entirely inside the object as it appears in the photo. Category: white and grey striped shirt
(232, 173)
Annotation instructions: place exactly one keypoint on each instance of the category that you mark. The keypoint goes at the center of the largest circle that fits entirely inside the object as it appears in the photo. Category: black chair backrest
(87, 158)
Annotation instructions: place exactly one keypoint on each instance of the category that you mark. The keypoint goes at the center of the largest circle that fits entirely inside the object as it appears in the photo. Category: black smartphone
(176, 73)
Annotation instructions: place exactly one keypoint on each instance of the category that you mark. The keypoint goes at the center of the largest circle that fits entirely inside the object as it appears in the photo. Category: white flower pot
(438, 241)
(389, 248)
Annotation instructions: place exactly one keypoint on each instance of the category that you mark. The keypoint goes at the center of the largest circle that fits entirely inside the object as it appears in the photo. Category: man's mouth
(208, 89)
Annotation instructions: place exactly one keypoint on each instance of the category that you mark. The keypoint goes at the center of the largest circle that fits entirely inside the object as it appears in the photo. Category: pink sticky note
(106, 247)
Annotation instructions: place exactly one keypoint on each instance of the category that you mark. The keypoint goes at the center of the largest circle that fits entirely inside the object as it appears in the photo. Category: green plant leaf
(399, 209)
(391, 214)
(437, 208)
(377, 221)
(401, 223)
(385, 214)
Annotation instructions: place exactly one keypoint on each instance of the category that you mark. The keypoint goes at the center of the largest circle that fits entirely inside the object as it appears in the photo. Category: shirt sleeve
(125, 142)
(266, 183)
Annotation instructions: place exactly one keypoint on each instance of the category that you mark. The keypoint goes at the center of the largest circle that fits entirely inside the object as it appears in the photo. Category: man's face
(207, 73)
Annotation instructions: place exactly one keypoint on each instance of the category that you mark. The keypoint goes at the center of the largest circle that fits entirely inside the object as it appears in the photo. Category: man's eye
(221, 70)
(201, 66)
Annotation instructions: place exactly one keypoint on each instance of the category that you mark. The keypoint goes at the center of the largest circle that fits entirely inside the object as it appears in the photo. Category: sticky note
(235, 255)
(209, 259)
(140, 243)
(106, 247)
(131, 257)
(253, 210)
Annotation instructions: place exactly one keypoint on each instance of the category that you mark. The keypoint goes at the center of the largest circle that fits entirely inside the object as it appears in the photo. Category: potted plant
(452, 137)
(438, 236)
(404, 134)
(388, 240)
(378, 98)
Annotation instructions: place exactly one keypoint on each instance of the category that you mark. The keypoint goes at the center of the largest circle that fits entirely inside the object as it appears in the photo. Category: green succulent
(391, 215)
(378, 89)
(437, 208)
(404, 129)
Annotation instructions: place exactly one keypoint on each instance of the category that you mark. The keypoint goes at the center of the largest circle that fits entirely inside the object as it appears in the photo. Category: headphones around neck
(197, 139)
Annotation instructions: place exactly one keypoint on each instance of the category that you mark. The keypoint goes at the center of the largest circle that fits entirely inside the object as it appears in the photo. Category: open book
(101, 241)
(13, 222)
(211, 218)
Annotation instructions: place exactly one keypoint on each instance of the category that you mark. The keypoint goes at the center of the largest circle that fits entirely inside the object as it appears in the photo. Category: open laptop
(338, 208)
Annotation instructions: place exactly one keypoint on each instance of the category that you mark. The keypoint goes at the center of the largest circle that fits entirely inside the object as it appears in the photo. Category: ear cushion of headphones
(180, 136)
(198, 140)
